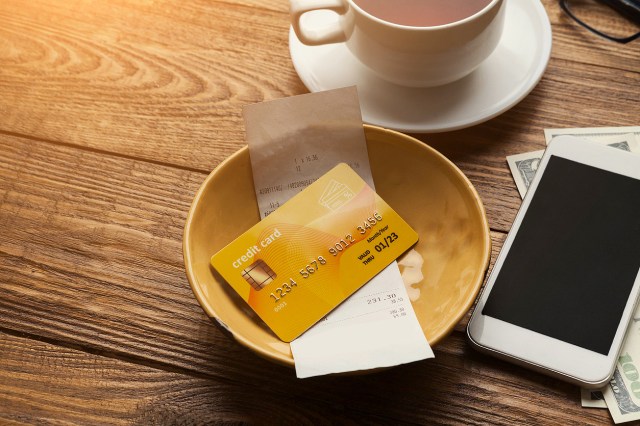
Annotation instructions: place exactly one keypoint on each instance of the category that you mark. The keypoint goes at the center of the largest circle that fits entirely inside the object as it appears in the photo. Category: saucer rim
(533, 76)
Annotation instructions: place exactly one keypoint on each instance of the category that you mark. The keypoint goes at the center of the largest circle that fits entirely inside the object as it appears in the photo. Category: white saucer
(503, 80)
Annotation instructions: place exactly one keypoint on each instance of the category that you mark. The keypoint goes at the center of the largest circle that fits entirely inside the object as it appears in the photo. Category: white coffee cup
(409, 56)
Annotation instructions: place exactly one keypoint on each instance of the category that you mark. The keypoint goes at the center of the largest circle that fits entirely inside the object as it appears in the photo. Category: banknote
(597, 133)
(622, 394)
(524, 166)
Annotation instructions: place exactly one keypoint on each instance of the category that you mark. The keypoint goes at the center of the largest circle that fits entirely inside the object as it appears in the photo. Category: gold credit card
(304, 259)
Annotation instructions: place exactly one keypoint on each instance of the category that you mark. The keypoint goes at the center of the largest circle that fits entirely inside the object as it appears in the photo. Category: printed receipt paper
(292, 142)
(304, 259)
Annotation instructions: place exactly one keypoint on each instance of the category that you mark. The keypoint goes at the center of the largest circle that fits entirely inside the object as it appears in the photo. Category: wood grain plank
(45, 383)
(574, 43)
(91, 252)
(124, 71)
(41, 383)
(91, 260)
(123, 77)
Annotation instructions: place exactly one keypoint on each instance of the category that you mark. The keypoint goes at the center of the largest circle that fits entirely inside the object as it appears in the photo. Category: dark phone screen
(575, 258)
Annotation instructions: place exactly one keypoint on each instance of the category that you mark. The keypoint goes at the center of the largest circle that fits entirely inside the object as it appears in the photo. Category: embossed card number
(304, 259)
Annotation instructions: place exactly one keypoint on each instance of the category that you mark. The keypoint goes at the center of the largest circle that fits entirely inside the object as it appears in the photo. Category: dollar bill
(622, 394)
(597, 134)
(524, 166)
(523, 169)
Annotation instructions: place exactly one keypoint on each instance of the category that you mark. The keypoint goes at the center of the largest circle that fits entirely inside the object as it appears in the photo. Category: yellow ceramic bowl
(423, 186)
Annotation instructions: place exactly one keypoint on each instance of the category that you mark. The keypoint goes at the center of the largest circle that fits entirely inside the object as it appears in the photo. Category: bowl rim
(279, 357)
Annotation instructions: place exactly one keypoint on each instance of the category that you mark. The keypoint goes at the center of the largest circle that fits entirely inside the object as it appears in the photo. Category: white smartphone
(566, 282)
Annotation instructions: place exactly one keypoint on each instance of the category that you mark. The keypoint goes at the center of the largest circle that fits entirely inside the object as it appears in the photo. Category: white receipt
(292, 142)
(375, 327)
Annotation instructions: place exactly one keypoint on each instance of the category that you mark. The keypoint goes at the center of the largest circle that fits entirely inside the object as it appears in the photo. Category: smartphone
(566, 282)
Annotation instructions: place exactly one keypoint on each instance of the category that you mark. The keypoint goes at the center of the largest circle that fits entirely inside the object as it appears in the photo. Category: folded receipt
(292, 142)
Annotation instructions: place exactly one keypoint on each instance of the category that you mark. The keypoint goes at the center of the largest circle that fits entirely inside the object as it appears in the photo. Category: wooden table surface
(112, 113)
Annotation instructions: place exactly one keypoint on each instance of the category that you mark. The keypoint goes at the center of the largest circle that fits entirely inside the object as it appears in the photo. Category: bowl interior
(425, 188)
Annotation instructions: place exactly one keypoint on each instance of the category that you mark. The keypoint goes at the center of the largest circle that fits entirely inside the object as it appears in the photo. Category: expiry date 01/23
(386, 241)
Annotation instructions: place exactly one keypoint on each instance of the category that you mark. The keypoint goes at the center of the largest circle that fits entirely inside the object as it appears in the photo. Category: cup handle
(332, 33)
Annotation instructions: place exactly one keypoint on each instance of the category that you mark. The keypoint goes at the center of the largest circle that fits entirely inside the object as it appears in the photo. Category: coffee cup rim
(463, 21)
